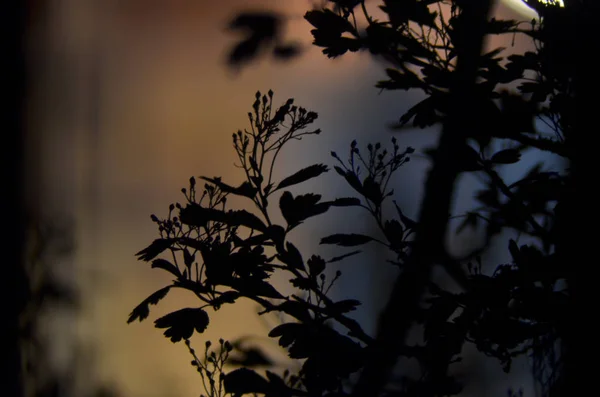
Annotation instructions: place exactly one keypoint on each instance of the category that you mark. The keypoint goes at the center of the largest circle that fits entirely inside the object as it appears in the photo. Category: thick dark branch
(403, 306)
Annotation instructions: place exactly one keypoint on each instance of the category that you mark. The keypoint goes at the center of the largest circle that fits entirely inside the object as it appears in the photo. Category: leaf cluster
(230, 254)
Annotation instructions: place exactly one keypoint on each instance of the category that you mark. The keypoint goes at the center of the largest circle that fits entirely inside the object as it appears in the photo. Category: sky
(129, 100)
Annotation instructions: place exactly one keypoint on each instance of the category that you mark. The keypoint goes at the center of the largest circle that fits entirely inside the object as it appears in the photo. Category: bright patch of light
(560, 3)
(522, 8)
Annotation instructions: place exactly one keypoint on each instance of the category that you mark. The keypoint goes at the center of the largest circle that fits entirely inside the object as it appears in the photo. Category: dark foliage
(518, 309)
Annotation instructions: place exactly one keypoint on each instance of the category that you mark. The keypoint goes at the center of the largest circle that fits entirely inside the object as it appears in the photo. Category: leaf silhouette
(141, 311)
(245, 381)
(245, 218)
(345, 202)
(155, 249)
(346, 240)
(303, 175)
(182, 323)
(166, 265)
(225, 297)
(292, 256)
(195, 215)
(351, 178)
(372, 190)
(296, 209)
(409, 223)
(245, 189)
(316, 265)
(328, 21)
(339, 258)
(344, 306)
(254, 288)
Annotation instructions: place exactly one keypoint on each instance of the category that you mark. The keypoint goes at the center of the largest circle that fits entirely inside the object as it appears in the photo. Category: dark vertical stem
(13, 288)
(403, 306)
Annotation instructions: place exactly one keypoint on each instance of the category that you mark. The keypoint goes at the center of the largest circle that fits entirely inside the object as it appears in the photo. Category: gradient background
(131, 98)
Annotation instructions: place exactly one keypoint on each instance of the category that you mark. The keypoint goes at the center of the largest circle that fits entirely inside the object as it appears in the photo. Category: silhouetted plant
(519, 308)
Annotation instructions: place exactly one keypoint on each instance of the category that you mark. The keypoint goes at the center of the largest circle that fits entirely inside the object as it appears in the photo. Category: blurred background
(130, 98)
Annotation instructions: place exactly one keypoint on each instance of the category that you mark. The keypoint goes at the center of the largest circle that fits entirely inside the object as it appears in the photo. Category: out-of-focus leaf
(261, 30)
(245, 381)
(507, 156)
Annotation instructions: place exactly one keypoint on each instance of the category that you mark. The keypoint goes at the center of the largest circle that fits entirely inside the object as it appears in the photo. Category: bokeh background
(132, 97)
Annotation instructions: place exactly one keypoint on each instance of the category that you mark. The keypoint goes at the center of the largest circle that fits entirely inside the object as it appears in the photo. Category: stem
(403, 306)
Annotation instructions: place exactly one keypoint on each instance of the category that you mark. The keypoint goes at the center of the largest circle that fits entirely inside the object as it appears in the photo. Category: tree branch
(404, 304)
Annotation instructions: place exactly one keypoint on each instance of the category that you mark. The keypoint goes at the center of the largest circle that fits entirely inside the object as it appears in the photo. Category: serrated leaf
(155, 249)
(245, 218)
(344, 306)
(141, 311)
(182, 323)
(327, 21)
(166, 265)
(346, 202)
(255, 288)
(346, 240)
(297, 209)
(303, 175)
(195, 215)
(316, 265)
(225, 297)
(245, 189)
